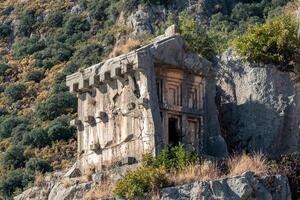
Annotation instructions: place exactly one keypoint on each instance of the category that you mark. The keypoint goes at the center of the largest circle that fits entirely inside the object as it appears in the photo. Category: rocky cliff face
(258, 107)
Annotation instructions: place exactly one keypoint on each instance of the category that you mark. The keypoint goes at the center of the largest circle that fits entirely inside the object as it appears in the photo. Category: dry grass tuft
(103, 190)
(239, 164)
(203, 172)
(88, 172)
(126, 47)
(39, 180)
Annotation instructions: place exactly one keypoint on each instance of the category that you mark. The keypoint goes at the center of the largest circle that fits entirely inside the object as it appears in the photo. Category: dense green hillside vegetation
(43, 41)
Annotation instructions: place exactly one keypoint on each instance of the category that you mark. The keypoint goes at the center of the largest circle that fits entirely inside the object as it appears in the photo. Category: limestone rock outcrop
(259, 106)
(246, 186)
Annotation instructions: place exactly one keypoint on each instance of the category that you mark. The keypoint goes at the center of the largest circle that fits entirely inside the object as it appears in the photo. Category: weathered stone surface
(73, 192)
(176, 87)
(244, 187)
(258, 106)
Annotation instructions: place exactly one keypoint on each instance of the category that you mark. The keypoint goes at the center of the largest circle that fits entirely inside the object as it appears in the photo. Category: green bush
(27, 46)
(35, 75)
(13, 158)
(60, 132)
(56, 105)
(38, 165)
(3, 68)
(88, 55)
(196, 38)
(27, 22)
(5, 31)
(55, 19)
(13, 180)
(54, 54)
(37, 137)
(170, 158)
(15, 92)
(76, 24)
(140, 181)
(274, 42)
(8, 124)
(18, 132)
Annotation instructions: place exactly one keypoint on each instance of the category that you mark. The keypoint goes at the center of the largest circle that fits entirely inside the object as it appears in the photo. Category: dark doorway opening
(174, 134)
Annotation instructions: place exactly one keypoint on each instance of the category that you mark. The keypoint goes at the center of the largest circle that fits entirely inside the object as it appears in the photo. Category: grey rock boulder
(259, 106)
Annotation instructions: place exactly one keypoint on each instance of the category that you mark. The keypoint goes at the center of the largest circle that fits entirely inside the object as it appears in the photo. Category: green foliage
(15, 92)
(27, 22)
(18, 132)
(55, 53)
(76, 24)
(59, 129)
(196, 38)
(172, 157)
(38, 165)
(27, 46)
(8, 124)
(88, 55)
(3, 68)
(13, 158)
(5, 31)
(55, 19)
(35, 75)
(37, 137)
(136, 183)
(56, 105)
(274, 42)
(17, 179)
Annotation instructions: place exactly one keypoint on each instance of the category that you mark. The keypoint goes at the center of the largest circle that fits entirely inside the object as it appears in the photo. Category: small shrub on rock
(27, 22)
(171, 158)
(140, 181)
(76, 24)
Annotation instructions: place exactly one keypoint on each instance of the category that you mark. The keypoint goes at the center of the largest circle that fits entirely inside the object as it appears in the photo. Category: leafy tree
(55, 53)
(3, 68)
(14, 158)
(8, 124)
(274, 42)
(35, 75)
(17, 179)
(37, 164)
(18, 132)
(60, 132)
(27, 46)
(196, 38)
(37, 137)
(15, 92)
(88, 55)
(55, 19)
(76, 24)
(56, 105)
(5, 31)
(27, 22)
